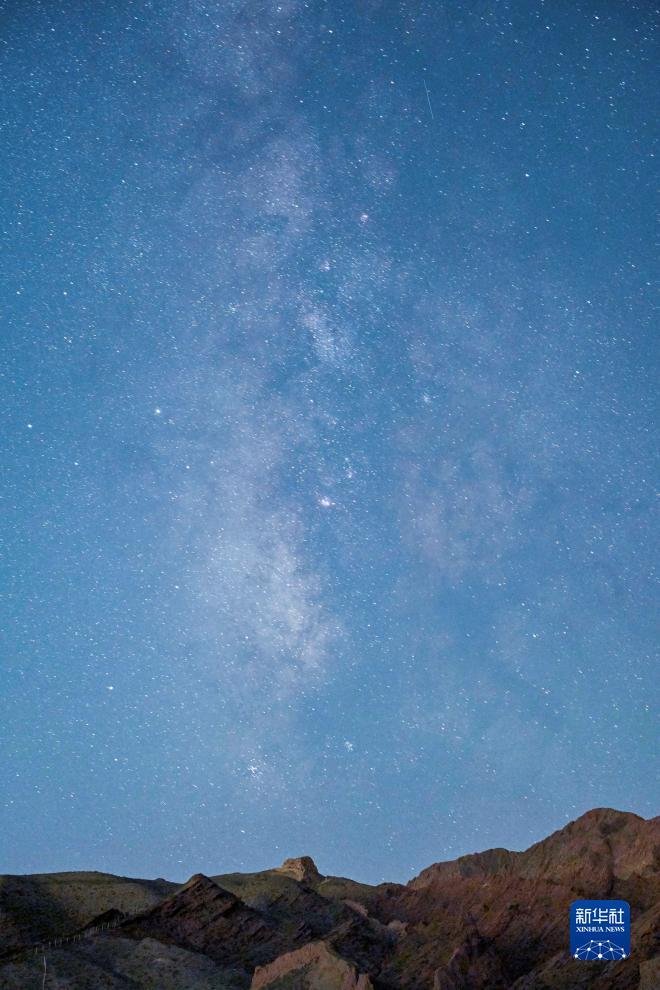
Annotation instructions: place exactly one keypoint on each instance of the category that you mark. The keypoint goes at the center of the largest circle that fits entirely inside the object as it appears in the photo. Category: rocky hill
(495, 920)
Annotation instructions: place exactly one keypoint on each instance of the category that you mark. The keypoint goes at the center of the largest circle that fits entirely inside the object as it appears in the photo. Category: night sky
(328, 398)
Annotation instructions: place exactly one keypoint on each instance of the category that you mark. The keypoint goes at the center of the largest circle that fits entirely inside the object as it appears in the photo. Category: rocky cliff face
(610, 849)
(495, 920)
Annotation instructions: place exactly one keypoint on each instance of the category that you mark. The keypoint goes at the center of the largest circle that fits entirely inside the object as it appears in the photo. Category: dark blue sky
(327, 427)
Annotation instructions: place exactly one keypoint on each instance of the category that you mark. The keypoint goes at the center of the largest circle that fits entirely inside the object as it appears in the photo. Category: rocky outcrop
(204, 917)
(518, 903)
(314, 967)
(613, 853)
(491, 921)
(301, 868)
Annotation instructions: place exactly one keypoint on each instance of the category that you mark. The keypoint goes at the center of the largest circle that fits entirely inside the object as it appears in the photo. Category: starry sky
(327, 430)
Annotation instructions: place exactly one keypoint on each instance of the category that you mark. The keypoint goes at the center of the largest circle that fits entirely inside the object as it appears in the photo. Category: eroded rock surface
(496, 920)
(314, 967)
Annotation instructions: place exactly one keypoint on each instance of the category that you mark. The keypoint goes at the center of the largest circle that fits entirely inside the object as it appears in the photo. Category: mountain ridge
(487, 920)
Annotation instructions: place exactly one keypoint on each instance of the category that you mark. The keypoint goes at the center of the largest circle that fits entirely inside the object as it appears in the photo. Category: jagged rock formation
(203, 917)
(303, 869)
(610, 849)
(314, 967)
(495, 920)
(504, 914)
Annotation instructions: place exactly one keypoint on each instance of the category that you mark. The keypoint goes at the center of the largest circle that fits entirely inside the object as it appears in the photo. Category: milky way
(328, 448)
